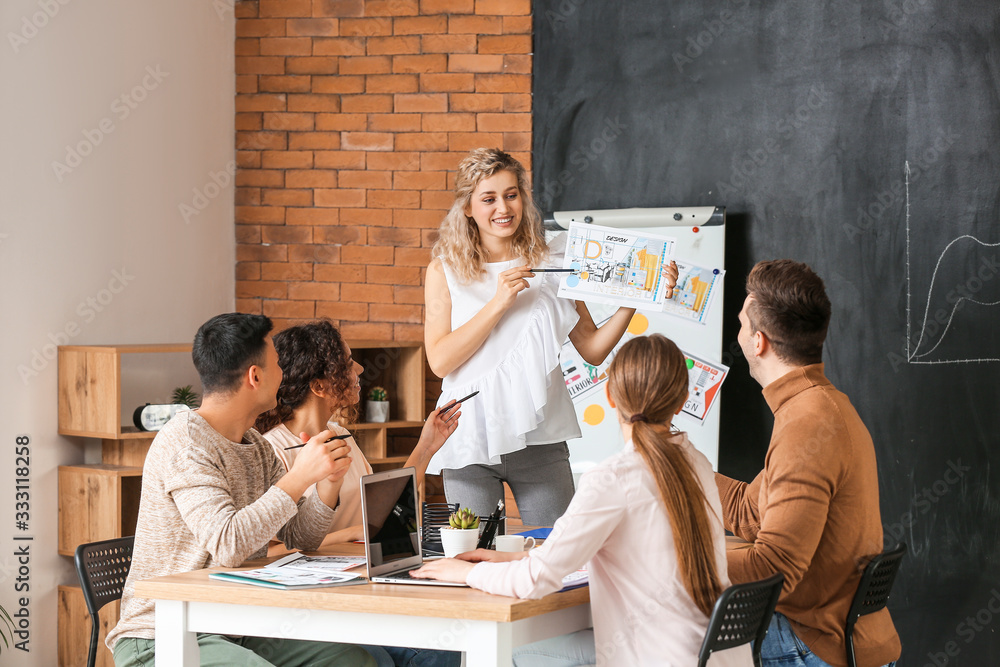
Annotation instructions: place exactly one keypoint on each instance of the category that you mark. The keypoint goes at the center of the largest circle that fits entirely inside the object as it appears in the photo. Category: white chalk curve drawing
(914, 355)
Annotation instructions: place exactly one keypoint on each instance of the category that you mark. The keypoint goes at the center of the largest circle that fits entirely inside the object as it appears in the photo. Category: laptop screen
(390, 513)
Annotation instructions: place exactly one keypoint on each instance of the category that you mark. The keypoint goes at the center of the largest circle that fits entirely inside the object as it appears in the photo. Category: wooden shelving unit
(74, 628)
(96, 501)
(90, 389)
(101, 501)
(399, 368)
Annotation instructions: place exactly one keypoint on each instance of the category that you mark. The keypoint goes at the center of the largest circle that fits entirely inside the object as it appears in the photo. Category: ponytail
(685, 502)
(648, 379)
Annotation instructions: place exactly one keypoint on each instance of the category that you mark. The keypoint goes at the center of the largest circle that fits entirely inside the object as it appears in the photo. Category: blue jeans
(399, 656)
(539, 477)
(781, 648)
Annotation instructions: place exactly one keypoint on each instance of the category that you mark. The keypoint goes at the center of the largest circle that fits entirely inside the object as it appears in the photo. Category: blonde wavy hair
(458, 242)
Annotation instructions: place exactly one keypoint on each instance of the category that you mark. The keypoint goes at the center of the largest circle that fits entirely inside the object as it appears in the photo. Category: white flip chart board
(700, 234)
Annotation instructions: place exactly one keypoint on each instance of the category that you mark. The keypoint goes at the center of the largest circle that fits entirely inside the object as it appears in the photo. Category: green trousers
(220, 651)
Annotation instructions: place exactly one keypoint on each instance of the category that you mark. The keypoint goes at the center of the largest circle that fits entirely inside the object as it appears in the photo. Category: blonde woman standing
(495, 327)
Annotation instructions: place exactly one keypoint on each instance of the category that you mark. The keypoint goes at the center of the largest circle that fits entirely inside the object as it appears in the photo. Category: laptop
(390, 511)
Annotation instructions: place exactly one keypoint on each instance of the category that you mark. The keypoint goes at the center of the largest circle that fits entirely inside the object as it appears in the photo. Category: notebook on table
(390, 511)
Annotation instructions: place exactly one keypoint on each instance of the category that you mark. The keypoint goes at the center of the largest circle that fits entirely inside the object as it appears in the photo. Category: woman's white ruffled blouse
(522, 395)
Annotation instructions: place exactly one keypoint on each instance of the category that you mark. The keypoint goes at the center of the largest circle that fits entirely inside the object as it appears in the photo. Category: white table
(486, 627)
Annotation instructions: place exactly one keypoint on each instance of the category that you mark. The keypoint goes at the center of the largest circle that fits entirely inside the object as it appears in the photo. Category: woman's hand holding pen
(437, 429)
(509, 283)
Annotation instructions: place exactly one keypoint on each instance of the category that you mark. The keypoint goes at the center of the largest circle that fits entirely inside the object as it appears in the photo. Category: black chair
(873, 591)
(102, 568)
(741, 614)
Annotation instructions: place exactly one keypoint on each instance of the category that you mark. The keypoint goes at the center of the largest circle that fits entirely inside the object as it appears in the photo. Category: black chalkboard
(864, 139)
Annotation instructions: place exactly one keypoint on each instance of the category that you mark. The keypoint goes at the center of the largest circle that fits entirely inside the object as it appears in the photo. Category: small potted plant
(377, 408)
(185, 396)
(461, 534)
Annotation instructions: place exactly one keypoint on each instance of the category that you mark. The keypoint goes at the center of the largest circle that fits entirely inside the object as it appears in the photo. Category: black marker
(454, 403)
(336, 437)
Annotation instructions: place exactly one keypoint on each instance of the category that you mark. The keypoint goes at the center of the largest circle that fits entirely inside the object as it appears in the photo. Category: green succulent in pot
(463, 519)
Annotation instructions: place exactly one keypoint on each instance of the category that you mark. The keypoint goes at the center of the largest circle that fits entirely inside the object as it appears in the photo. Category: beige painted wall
(112, 115)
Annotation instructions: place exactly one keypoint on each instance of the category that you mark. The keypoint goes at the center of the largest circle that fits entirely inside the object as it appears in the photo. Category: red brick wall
(351, 116)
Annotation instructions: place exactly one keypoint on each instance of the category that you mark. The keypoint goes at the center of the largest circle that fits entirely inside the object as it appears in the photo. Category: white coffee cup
(514, 543)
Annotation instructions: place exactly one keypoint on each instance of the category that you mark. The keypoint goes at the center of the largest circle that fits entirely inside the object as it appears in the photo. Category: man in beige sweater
(813, 512)
(213, 493)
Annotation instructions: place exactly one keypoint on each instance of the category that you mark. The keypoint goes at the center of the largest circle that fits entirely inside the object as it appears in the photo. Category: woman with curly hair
(320, 388)
(495, 327)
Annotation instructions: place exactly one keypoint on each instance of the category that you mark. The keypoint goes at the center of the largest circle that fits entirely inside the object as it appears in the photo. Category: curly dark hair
(307, 352)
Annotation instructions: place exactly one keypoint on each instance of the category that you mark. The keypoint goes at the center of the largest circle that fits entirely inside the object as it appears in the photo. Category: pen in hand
(454, 403)
(336, 437)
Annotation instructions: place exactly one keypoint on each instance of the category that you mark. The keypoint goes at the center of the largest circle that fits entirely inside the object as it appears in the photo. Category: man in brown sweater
(812, 514)
(213, 493)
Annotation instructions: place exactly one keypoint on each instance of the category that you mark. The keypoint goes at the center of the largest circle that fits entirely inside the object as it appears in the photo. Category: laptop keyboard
(405, 574)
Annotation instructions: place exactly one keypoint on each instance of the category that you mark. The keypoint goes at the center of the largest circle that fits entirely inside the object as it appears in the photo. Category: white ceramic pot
(377, 411)
(456, 541)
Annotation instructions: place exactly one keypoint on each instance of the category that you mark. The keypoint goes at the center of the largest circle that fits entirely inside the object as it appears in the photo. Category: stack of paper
(299, 571)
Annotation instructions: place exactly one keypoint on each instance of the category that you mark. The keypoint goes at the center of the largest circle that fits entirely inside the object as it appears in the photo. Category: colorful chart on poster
(695, 291)
(704, 382)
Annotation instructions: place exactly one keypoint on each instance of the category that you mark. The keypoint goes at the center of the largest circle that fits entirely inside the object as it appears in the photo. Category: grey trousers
(539, 477)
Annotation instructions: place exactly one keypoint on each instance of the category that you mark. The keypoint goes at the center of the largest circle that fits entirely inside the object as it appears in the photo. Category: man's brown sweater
(813, 515)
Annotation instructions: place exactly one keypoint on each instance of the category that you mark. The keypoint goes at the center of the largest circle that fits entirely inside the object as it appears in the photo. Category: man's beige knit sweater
(209, 501)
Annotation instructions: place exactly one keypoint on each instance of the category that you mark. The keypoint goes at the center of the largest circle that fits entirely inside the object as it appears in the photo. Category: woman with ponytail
(646, 522)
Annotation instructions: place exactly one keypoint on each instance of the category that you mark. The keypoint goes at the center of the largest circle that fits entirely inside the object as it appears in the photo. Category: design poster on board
(620, 267)
(695, 292)
(704, 382)
(705, 378)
